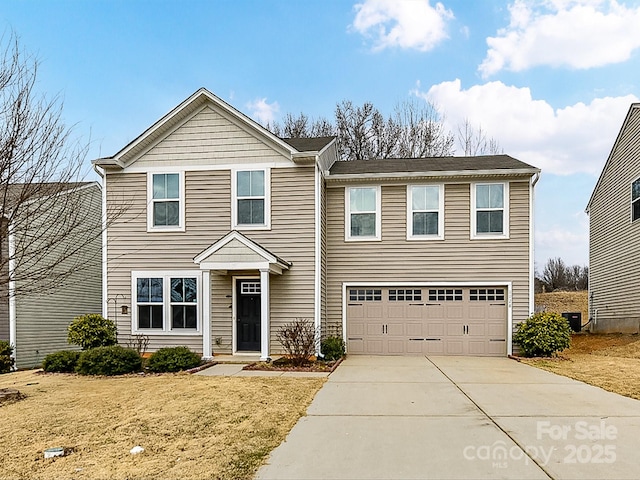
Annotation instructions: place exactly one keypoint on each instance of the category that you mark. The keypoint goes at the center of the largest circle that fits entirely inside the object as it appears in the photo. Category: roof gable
(624, 138)
(183, 113)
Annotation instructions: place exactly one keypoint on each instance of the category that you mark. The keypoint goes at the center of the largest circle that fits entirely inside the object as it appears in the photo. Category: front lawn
(611, 362)
(191, 426)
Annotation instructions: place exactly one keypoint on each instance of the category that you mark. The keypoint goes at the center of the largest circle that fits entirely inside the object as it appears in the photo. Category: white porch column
(264, 314)
(206, 314)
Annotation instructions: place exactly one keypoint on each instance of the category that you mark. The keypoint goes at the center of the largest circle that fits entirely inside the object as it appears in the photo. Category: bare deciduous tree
(48, 228)
(556, 275)
(474, 141)
(414, 130)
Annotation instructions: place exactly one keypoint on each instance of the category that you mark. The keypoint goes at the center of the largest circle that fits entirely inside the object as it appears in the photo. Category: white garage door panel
(427, 320)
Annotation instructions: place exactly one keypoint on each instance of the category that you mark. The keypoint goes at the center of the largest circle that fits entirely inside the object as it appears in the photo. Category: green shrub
(543, 334)
(112, 360)
(173, 359)
(332, 348)
(6, 360)
(62, 361)
(91, 331)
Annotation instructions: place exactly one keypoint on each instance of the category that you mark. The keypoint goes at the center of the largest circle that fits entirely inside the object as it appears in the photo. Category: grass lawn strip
(611, 362)
(191, 427)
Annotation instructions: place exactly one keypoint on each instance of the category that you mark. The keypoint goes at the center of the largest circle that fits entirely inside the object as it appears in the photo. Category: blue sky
(550, 80)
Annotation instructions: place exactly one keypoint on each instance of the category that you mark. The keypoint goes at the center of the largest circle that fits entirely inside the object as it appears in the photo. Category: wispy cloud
(411, 24)
(262, 111)
(577, 34)
(573, 139)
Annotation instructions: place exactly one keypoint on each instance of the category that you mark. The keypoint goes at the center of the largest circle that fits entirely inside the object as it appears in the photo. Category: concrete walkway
(458, 418)
(236, 370)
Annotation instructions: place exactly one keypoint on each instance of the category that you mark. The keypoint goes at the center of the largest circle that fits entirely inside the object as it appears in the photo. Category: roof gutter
(433, 174)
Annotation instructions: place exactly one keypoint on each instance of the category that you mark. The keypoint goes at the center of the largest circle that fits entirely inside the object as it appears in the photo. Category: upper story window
(362, 212)
(425, 212)
(251, 199)
(490, 210)
(635, 200)
(165, 302)
(166, 201)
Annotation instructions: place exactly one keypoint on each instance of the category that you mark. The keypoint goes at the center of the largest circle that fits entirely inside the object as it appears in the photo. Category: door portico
(238, 256)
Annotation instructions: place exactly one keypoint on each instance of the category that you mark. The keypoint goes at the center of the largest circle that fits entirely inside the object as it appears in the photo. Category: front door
(248, 315)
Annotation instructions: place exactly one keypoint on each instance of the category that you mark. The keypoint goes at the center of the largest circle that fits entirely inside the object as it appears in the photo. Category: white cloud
(571, 243)
(578, 34)
(402, 23)
(576, 138)
(262, 111)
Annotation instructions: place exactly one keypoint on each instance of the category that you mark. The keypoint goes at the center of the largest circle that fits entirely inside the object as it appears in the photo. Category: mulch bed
(284, 365)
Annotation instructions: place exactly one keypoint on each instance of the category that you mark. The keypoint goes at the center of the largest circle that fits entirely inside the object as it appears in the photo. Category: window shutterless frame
(489, 202)
(362, 213)
(165, 189)
(251, 199)
(166, 302)
(635, 200)
(425, 212)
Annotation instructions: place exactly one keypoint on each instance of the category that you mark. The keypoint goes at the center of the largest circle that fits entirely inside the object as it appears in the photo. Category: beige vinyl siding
(454, 259)
(614, 241)
(4, 282)
(208, 218)
(208, 138)
(42, 320)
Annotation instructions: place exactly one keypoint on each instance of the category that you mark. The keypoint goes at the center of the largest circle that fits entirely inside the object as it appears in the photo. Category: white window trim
(505, 214)
(267, 200)
(632, 202)
(181, 223)
(347, 217)
(166, 275)
(440, 234)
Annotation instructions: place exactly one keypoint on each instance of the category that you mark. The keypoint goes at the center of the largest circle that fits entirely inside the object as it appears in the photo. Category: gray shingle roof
(314, 144)
(432, 164)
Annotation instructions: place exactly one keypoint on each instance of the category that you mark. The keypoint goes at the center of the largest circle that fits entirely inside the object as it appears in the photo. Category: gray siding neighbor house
(231, 232)
(614, 235)
(52, 268)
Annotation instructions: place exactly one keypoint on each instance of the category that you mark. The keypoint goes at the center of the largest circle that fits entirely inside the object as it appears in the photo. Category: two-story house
(231, 232)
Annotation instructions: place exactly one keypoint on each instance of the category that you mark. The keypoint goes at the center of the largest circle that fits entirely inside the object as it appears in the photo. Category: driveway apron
(458, 418)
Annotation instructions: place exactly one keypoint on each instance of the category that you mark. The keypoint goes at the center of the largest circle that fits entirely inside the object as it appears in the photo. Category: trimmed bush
(543, 334)
(112, 360)
(62, 361)
(173, 359)
(6, 361)
(332, 348)
(91, 331)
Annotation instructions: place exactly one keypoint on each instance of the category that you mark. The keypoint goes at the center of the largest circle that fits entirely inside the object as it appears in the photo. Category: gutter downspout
(532, 267)
(103, 181)
(318, 257)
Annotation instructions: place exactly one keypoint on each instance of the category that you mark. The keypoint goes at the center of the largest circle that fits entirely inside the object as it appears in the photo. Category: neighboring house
(614, 235)
(231, 233)
(51, 268)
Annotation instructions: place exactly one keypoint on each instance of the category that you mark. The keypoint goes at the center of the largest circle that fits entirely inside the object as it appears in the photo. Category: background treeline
(556, 275)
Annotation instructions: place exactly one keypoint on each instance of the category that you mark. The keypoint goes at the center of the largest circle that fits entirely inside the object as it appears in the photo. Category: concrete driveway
(458, 418)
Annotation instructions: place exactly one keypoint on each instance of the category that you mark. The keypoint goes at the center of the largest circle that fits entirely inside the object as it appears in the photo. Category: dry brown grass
(611, 362)
(191, 427)
(560, 302)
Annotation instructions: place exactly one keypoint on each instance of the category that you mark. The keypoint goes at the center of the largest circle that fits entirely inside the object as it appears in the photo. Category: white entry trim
(234, 312)
(509, 285)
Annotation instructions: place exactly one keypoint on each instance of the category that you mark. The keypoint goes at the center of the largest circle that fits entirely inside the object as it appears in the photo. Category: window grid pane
(363, 224)
(250, 197)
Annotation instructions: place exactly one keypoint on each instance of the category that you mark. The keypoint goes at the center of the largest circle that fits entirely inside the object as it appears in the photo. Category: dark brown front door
(248, 315)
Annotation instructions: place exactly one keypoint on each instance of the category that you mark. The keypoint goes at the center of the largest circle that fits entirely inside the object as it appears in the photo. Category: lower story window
(166, 302)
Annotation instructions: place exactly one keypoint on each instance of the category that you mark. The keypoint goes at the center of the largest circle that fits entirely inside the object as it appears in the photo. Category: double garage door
(427, 321)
